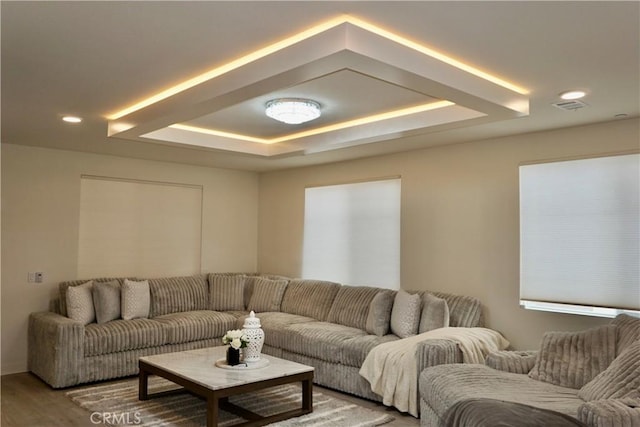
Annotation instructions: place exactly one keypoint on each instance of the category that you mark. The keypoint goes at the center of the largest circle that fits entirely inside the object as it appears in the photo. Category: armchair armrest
(437, 352)
(623, 412)
(55, 348)
(518, 362)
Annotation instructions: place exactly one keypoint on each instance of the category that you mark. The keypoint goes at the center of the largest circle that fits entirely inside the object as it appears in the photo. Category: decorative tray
(262, 363)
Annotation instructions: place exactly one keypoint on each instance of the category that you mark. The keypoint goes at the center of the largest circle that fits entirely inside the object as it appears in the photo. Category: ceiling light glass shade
(573, 94)
(293, 111)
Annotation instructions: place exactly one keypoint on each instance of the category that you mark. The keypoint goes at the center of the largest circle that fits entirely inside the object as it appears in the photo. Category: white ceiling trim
(466, 94)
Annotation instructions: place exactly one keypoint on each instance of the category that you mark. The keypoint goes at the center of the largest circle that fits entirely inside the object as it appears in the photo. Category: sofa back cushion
(226, 292)
(267, 295)
(464, 311)
(250, 280)
(435, 313)
(572, 359)
(178, 294)
(351, 306)
(628, 331)
(63, 286)
(310, 298)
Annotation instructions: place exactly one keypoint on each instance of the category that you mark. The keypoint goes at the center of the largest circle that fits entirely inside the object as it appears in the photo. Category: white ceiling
(94, 58)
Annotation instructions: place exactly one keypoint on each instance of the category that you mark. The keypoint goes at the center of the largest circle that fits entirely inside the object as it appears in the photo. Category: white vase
(255, 336)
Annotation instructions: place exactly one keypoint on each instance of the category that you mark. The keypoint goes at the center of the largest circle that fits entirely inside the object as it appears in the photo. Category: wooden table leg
(212, 410)
(307, 395)
(143, 383)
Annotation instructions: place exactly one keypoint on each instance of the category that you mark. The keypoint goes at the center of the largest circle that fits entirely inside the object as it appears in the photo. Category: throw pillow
(405, 314)
(435, 313)
(620, 380)
(80, 303)
(379, 316)
(351, 306)
(106, 300)
(226, 292)
(136, 299)
(572, 359)
(267, 295)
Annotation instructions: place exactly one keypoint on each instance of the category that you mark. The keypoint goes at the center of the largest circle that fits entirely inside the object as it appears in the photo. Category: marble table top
(199, 366)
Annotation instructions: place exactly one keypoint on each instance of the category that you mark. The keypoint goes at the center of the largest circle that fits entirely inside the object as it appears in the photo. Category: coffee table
(195, 370)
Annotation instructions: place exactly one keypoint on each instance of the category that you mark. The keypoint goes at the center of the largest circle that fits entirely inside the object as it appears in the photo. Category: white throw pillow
(80, 303)
(136, 299)
(405, 315)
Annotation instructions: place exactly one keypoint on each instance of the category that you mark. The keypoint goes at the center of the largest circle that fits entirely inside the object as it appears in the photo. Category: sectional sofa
(322, 324)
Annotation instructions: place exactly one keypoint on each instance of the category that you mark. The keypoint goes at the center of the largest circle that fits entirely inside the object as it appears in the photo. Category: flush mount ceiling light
(573, 94)
(293, 111)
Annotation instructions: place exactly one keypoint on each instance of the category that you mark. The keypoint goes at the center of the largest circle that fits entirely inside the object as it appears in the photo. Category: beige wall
(459, 217)
(40, 208)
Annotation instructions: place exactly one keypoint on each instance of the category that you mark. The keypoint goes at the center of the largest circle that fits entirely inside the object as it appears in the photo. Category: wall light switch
(35, 277)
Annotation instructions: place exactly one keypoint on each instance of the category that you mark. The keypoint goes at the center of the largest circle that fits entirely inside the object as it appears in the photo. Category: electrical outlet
(39, 276)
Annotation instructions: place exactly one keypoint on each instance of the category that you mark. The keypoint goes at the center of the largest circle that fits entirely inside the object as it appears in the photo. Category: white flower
(235, 338)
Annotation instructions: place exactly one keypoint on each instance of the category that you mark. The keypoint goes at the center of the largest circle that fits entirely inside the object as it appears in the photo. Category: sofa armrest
(517, 362)
(437, 352)
(55, 348)
(610, 413)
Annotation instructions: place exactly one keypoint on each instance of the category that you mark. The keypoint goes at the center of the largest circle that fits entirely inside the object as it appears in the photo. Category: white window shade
(352, 233)
(580, 235)
(138, 228)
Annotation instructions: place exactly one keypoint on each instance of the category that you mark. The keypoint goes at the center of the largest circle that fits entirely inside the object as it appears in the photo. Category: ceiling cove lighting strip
(323, 129)
(290, 41)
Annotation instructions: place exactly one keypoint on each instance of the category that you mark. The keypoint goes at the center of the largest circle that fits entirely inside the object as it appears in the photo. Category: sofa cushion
(610, 413)
(135, 299)
(379, 317)
(620, 380)
(267, 295)
(435, 313)
(226, 292)
(178, 294)
(356, 349)
(80, 303)
(351, 306)
(572, 359)
(628, 331)
(321, 340)
(123, 335)
(106, 300)
(480, 412)
(196, 325)
(405, 314)
(443, 385)
(310, 298)
(250, 280)
(63, 286)
(274, 325)
(464, 311)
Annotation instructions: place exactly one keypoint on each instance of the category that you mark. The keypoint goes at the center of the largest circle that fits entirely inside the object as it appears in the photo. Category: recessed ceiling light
(72, 119)
(293, 111)
(573, 94)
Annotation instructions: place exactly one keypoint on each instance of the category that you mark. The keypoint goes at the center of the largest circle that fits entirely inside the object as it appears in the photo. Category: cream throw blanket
(392, 369)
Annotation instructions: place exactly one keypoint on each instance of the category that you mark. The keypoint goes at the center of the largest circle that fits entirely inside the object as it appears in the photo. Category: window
(580, 236)
(138, 228)
(352, 233)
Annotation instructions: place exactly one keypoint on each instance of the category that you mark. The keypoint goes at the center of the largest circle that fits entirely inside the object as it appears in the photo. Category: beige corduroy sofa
(322, 324)
(592, 376)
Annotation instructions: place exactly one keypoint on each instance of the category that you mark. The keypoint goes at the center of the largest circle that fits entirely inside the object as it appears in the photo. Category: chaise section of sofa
(592, 376)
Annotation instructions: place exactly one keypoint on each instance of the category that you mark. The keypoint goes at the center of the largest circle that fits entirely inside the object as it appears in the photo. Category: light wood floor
(28, 401)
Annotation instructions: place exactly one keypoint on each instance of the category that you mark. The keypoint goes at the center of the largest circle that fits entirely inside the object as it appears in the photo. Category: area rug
(116, 404)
